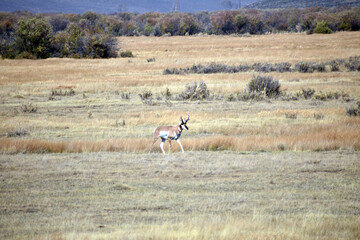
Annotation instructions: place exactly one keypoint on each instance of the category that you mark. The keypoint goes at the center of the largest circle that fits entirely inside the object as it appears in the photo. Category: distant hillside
(268, 4)
(112, 6)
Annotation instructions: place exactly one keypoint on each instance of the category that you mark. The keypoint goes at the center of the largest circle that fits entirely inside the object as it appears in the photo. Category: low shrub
(323, 96)
(125, 96)
(353, 63)
(171, 71)
(334, 66)
(282, 67)
(308, 93)
(354, 111)
(318, 116)
(246, 96)
(167, 94)
(231, 98)
(320, 67)
(265, 84)
(195, 92)
(146, 95)
(290, 96)
(29, 108)
(208, 69)
(120, 123)
(17, 133)
(291, 115)
(60, 92)
(126, 54)
(262, 67)
(268, 67)
(304, 67)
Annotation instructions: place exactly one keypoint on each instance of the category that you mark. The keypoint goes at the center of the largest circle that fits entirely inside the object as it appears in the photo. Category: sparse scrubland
(269, 154)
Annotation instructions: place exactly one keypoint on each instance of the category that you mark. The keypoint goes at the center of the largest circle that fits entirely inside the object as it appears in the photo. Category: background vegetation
(26, 35)
(269, 4)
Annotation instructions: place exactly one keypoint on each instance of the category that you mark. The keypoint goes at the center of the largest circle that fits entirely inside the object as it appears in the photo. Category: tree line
(91, 35)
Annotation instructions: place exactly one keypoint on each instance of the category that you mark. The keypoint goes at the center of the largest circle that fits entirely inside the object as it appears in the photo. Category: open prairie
(74, 137)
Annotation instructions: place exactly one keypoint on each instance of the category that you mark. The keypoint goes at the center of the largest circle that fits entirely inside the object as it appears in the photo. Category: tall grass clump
(29, 108)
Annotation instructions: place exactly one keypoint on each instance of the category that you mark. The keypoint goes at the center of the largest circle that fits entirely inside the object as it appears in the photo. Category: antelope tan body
(170, 133)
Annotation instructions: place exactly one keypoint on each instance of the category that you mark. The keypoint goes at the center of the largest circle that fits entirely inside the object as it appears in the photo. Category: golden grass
(296, 137)
(179, 52)
(278, 228)
(305, 113)
(235, 50)
(304, 137)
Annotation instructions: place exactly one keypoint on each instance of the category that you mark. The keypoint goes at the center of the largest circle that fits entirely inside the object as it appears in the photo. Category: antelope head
(182, 123)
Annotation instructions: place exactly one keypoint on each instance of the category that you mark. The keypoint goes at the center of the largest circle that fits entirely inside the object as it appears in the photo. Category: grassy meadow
(75, 136)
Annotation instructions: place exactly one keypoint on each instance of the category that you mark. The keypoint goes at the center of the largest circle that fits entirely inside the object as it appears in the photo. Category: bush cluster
(34, 38)
(322, 28)
(195, 92)
(354, 111)
(126, 54)
(352, 64)
(310, 93)
(265, 84)
(268, 67)
(146, 95)
(17, 133)
(323, 96)
(309, 67)
(259, 88)
(29, 108)
(208, 69)
(60, 92)
(242, 21)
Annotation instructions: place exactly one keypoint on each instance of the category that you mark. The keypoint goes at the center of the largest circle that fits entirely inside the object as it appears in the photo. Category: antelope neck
(179, 129)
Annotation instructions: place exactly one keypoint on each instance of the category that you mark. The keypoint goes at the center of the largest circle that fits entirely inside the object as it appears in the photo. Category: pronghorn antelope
(170, 133)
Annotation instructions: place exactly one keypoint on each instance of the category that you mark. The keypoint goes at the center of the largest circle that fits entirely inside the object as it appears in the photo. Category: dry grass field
(74, 137)
(196, 195)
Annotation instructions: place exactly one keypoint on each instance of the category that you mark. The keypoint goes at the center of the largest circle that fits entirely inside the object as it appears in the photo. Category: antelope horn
(187, 119)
